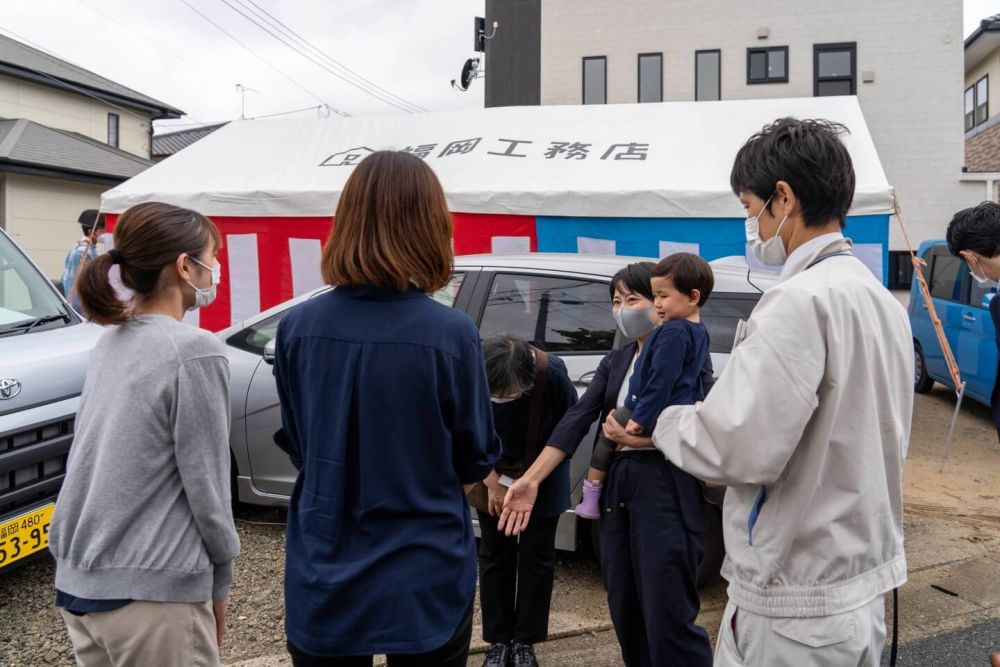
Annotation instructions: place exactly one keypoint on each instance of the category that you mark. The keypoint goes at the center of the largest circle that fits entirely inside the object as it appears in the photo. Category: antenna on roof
(243, 99)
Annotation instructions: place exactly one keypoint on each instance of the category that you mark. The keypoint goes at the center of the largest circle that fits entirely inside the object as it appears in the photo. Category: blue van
(963, 306)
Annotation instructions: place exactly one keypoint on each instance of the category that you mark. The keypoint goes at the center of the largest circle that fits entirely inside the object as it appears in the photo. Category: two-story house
(66, 135)
(901, 59)
(982, 119)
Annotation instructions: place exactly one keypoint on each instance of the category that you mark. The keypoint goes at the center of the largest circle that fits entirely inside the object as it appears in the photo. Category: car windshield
(27, 300)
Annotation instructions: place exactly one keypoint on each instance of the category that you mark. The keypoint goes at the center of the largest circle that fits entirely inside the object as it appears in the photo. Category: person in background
(386, 414)
(531, 392)
(974, 235)
(85, 247)
(143, 532)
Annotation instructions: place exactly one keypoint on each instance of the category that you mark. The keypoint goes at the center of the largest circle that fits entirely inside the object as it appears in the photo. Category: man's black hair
(634, 278)
(688, 273)
(808, 155)
(88, 218)
(510, 364)
(976, 229)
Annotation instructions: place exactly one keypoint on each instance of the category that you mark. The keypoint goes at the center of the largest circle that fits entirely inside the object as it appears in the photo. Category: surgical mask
(501, 400)
(980, 275)
(772, 251)
(204, 296)
(634, 322)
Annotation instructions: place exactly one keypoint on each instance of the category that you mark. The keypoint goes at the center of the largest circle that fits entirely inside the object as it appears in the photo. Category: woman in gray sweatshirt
(143, 531)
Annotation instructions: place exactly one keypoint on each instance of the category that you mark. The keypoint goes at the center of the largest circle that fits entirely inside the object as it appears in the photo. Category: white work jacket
(808, 426)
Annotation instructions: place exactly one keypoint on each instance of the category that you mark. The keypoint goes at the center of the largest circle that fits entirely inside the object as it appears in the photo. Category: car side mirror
(269, 351)
(987, 298)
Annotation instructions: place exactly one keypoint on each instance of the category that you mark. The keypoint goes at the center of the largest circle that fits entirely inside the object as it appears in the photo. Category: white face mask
(979, 275)
(634, 322)
(203, 296)
(772, 251)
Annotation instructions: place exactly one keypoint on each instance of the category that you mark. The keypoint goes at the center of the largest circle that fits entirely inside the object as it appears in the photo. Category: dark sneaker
(524, 656)
(498, 656)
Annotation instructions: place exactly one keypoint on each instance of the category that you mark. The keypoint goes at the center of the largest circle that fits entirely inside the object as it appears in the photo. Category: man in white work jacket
(809, 423)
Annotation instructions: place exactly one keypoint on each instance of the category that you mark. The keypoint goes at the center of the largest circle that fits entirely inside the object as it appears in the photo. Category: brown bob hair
(392, 227)
(147, 238)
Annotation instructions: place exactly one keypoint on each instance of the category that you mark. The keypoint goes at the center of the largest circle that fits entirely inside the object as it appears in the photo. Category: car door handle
(923, 305)
(586, 378)
(968, 317)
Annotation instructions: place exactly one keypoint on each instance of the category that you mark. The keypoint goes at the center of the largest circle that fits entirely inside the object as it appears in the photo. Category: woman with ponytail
(143, 532)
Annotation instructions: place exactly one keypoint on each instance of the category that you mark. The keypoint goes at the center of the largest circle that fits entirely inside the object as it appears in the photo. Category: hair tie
(116, 257)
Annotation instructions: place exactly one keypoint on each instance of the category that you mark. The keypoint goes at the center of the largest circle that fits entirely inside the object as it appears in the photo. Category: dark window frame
(117, 133)
(638, 71)
(977, 103)
(851, 47)
(766, 50)
(718, 52)
(969, 116)
(583, 78)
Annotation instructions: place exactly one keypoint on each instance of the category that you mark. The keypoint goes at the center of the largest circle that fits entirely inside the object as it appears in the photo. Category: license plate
(25, 534)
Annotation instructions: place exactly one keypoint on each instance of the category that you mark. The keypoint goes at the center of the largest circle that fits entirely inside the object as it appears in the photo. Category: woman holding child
(651, 513)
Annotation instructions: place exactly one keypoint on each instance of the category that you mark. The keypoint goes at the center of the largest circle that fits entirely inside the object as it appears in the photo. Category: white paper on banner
(244, 276)
(511, 245)
(668, 248)
(870, 255)
(305, 256)
(587, 246)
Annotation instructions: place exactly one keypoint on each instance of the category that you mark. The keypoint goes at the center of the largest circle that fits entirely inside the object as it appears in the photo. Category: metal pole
(951, 429)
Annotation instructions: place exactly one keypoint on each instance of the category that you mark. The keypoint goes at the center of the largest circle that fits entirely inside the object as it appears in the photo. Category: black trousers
(650, 560)
(515, 580)
(455, 653)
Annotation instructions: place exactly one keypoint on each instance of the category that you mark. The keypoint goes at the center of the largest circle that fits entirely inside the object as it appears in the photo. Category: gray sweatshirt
(144, 512)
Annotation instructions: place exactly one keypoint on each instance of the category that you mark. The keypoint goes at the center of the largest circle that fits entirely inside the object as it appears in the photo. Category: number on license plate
(25, 534)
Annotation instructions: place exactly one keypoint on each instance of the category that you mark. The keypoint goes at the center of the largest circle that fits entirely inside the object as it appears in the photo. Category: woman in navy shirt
(386, 414)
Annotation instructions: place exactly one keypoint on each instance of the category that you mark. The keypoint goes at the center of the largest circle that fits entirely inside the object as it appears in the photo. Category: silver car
(559, 302)
(44, 346)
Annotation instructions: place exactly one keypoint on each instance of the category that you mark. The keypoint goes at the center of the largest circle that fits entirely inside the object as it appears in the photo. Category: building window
(113, 129)
(970, 108)
(768, 65)
(595, 80)
(650, 77)
(707, 75)
(982, 100)
(977, 103)
(835, 69)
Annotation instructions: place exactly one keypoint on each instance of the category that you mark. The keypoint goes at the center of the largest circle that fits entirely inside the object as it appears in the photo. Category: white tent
(669, 160)
(631, 179)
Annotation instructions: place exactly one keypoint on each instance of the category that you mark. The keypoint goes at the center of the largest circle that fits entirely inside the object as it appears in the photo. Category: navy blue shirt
(82, 606)
(386, 413)
(511, 420)
(668, 371)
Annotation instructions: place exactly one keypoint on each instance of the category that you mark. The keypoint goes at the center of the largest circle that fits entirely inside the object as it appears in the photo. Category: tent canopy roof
(666, 160)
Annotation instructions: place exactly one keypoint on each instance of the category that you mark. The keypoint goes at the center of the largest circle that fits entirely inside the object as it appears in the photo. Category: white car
(561, 303)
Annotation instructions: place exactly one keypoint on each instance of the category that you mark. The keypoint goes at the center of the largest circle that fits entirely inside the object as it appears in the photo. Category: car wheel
(922, 382)
(714, 548)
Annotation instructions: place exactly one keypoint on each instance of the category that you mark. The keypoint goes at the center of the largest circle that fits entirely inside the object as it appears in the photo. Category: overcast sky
(165, 49)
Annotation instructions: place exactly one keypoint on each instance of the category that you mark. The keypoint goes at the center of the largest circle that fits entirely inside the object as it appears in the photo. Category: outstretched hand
(517, 506)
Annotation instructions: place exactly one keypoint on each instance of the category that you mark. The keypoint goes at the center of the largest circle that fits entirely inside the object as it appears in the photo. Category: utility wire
(276, 22)
(253, 20)
(258, 56)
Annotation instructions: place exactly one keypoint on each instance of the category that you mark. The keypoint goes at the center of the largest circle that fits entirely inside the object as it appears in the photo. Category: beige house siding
(40, 214)
(914, 49)
(990, 66)
(75, 113)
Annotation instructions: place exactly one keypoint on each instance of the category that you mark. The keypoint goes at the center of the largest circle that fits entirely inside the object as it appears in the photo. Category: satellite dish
(470, 72)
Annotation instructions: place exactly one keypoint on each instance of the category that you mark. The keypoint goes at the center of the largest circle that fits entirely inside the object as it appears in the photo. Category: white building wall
(914, 47)
(41, 215)
(73, 112)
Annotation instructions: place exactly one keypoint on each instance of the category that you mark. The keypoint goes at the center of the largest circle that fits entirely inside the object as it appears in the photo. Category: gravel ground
(32, 632)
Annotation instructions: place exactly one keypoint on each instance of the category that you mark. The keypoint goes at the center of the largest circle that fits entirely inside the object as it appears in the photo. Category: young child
(669, 367)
